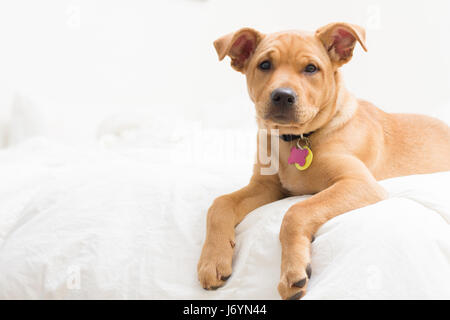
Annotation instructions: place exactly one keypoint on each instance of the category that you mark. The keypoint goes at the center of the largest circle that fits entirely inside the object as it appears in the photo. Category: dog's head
(292, 76)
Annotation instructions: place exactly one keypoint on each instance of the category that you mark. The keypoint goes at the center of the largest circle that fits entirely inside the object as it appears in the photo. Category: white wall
(81, 60)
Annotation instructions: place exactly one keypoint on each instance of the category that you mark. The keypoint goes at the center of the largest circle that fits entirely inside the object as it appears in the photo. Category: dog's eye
(310, 68)
(265, 65)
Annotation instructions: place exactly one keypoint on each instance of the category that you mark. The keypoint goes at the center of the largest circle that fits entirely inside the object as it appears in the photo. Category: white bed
(129, 222)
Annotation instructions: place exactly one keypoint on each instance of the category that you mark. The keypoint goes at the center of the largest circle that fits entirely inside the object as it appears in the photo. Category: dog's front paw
(214, 266)
(295, 267)
(294, 281)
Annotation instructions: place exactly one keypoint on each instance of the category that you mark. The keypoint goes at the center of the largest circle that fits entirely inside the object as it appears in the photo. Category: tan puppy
(293, 78)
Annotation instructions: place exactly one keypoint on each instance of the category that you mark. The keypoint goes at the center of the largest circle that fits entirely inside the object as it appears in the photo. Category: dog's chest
(295, 181)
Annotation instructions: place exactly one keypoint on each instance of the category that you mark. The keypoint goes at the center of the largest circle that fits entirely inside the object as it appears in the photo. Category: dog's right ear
(339, 40)
(239, 46)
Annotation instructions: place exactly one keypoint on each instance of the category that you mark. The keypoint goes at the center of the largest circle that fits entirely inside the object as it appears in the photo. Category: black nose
(283, 97)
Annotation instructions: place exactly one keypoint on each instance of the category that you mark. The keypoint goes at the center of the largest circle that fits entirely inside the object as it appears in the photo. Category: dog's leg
(351, 186)
(214, 266)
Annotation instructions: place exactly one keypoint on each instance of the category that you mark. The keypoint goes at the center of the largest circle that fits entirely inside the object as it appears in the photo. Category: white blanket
(108, 224)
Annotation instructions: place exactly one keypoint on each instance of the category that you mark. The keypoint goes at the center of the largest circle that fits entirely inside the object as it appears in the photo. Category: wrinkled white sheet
(108, 224)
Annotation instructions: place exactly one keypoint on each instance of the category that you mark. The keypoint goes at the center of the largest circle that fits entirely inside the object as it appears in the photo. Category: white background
(80, 61)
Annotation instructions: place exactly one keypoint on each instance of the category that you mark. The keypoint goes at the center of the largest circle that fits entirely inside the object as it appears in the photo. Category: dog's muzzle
(282, 105)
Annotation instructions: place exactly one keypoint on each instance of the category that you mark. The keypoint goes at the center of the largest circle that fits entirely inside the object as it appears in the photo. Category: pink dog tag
(300, 157)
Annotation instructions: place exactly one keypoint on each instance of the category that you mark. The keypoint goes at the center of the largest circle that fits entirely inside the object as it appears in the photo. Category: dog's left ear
(339, 40)
(239, 46)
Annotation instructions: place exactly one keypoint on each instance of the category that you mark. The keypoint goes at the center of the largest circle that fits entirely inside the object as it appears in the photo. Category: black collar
(291, 137)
